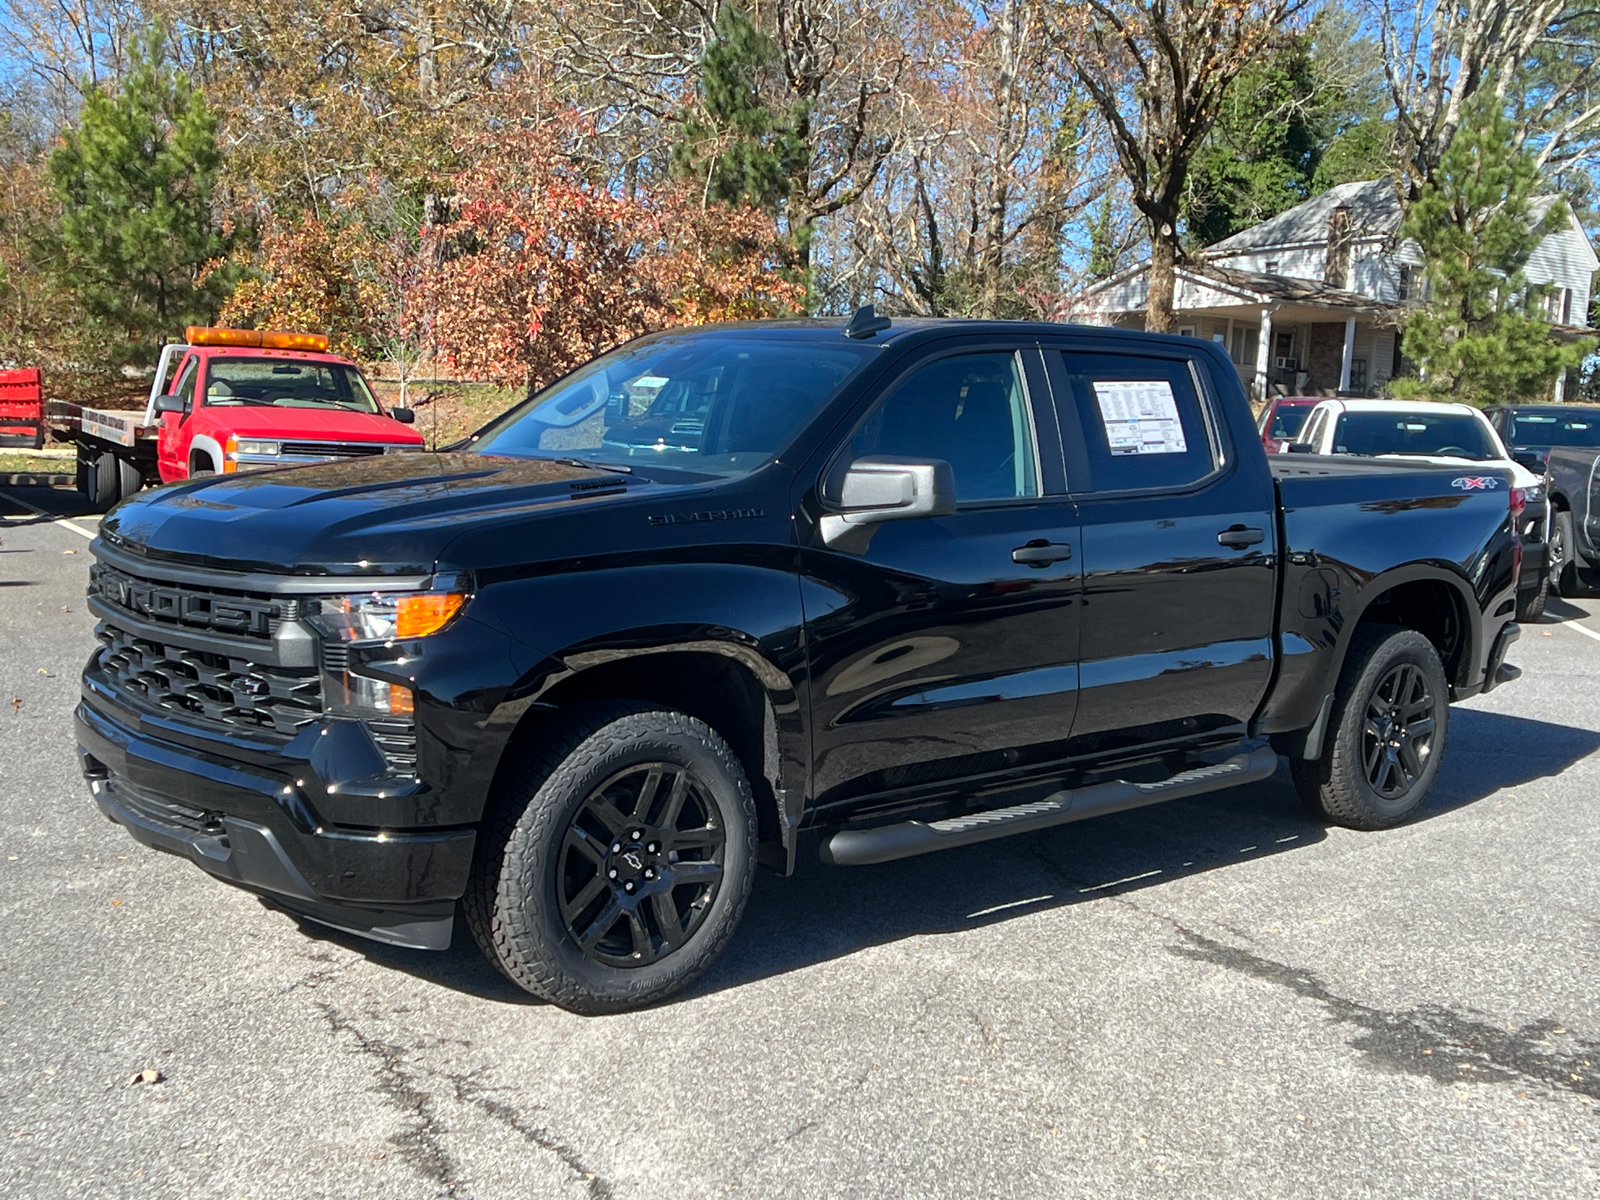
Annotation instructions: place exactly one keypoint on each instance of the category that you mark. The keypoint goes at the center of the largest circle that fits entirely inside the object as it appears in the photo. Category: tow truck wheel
(1386, 737)
(616, 862)
(101, 481)
(129, 478)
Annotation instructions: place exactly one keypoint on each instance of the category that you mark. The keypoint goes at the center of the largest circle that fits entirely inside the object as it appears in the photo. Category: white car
(1455, 435)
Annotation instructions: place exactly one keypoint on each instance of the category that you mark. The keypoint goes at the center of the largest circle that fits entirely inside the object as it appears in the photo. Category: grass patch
(448, 412)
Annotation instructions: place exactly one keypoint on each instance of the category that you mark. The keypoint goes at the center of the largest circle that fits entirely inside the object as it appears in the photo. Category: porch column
(1349, 351)
(1263, 354)
(1561, 385)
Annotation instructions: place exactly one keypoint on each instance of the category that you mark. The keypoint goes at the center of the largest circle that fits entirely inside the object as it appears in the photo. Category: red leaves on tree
(540, 268)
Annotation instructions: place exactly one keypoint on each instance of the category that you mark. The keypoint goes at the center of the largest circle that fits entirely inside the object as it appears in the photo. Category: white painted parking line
(1583, 629)
(54, 520)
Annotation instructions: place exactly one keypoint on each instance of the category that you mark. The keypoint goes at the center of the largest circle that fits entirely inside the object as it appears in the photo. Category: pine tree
(1482, 337)
(137, 240)
(736, 147)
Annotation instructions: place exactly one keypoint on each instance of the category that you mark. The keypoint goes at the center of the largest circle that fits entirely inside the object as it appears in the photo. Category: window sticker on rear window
(1140, 416)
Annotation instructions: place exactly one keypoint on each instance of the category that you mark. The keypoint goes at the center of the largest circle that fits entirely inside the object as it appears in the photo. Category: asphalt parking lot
(1215, 997)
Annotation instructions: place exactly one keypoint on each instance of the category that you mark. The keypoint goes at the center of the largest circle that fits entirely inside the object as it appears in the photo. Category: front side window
(971, 410)
(1440, 435)
(1141, 419)
(682, 406)
(286, 383)
(185, 389)
(1288, 420)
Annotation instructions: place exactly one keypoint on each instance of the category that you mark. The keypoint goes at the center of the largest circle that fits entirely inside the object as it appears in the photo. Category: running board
(863, 847)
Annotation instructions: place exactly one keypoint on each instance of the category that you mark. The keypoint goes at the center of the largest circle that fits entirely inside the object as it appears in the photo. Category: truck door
(172, 442)
(1178, 545)
(947, 647)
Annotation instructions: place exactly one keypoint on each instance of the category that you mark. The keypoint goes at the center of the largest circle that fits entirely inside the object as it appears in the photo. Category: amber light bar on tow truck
(255, 339)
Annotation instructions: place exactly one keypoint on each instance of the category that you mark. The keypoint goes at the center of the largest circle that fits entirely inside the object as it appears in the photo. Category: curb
(50, 479)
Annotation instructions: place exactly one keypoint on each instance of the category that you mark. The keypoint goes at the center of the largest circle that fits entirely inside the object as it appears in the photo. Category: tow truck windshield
(285, 383)
(1434, 435)
(718, 405)
(1554, 429)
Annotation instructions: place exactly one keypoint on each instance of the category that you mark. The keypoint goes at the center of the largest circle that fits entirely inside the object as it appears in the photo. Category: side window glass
(185, 388)
(1314, 434)
(1141, 420)
(970, 410)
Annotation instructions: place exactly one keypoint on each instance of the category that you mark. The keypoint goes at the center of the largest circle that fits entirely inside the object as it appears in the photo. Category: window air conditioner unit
(1286, 364)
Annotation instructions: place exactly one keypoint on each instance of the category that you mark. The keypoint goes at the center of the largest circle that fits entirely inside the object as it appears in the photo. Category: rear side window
(1140, 421)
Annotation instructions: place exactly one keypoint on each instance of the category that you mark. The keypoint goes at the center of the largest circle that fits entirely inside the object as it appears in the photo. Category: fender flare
(780, 726)
(208, 444)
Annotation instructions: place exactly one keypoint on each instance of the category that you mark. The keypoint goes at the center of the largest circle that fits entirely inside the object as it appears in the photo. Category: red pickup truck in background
(227, 400)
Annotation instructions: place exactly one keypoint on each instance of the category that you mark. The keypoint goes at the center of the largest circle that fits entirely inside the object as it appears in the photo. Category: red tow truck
(227, 400)
(21, 408)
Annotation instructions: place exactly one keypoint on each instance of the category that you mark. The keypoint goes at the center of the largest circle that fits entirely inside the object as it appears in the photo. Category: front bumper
(252, 824)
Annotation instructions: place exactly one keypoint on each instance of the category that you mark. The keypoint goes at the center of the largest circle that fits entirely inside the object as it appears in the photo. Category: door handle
(1240, 536)
(1041, 553)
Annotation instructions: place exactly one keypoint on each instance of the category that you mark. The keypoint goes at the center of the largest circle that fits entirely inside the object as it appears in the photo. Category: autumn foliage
(539, 268)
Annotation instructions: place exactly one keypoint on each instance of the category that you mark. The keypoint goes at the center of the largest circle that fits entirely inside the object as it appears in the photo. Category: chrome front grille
(212, 688)
(226, 611)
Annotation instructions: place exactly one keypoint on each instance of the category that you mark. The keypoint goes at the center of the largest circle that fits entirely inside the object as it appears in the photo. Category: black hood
(393, 514)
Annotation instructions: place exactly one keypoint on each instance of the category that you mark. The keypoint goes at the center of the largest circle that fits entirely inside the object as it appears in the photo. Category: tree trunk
(1158, 314)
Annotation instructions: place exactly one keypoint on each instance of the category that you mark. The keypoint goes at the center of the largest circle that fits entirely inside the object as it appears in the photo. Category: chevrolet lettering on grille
(226, 614)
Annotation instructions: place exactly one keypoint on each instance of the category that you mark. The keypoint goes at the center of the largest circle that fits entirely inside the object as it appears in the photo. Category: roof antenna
(866, 323)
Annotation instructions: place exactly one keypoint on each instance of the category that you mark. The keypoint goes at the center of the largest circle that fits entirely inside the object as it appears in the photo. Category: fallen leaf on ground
(16, 705)
(148, 1075)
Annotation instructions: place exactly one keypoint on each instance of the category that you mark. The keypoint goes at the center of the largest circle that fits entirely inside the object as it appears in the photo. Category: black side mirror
(1302, 448)
(1528, 458)
(404, 415)
(169, 403)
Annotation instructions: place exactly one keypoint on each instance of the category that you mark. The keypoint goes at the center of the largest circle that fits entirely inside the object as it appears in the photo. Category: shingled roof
(1374, 212)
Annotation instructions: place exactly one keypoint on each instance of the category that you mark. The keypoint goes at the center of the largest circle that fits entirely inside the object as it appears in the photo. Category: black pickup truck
(911, 586)
(1572, 480)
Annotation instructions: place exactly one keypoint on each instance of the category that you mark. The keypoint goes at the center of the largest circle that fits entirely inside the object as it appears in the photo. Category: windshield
(285, 383)
(1554, 429)
(1445, 435)
(1288, 420)
(706, 403)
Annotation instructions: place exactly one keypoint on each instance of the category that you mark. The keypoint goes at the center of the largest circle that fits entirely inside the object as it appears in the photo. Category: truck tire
(1386, 736)
(1530, 604)
(129, 478)
(616, 860)
(1562, 558)
(103, 482)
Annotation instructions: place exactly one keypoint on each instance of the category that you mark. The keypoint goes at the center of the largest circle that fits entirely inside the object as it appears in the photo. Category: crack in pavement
(1431, 1040)
(470, 1091)
(422, 1146)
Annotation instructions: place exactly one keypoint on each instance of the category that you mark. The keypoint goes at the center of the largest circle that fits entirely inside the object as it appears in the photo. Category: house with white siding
(1312, 302)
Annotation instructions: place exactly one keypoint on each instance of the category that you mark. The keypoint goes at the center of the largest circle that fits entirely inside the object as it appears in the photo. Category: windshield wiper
(616, 468)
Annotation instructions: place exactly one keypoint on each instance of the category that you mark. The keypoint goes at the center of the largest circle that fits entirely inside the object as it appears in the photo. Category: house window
(1358, 374)
(1185, 330)
(1406, 285)
(1566, 306)
(1246, 343)
(1271, 267)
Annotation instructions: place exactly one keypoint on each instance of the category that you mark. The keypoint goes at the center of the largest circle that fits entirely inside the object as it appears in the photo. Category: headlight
(1534, 494)
(385, 616)
(375, 617)
(254, 446)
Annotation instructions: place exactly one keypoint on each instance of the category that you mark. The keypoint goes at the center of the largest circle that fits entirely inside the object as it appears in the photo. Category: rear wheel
(129, 478)
(618, 861)
(1389, 719)
(102, 481)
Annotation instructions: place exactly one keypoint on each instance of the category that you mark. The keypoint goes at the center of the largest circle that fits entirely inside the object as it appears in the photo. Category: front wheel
(617, 862)
(1563, 571)
(1530, 604)
(1389, 719)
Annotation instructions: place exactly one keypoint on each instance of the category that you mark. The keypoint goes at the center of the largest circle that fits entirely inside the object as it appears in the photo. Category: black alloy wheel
(616, 857)
(1385, 735)
(1398, 738)
(639, 865)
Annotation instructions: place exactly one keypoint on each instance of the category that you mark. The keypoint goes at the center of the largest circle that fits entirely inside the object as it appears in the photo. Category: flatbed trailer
(116, 449)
